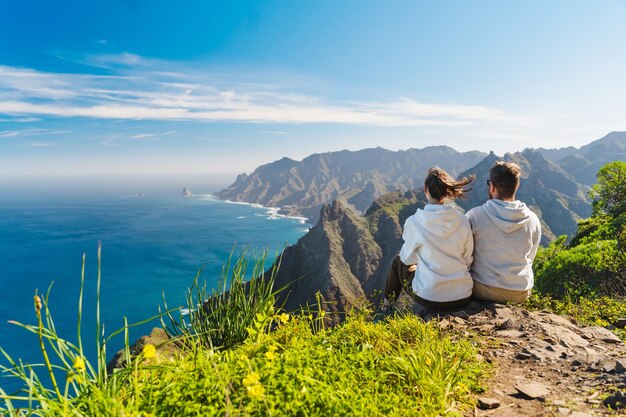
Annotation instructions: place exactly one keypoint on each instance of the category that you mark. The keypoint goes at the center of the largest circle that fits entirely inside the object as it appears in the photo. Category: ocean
(151, 245)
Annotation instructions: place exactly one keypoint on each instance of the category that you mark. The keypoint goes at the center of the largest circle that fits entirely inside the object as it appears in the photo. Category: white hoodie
(439, 240)
(506, 239)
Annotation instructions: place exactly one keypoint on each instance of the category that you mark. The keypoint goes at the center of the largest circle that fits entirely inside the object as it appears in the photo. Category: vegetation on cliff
(575, 278)
(594, 261)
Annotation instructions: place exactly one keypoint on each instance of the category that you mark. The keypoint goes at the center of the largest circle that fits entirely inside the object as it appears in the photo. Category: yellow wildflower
(37, 301)
(322, 313)
(149, 351)
(283, 318)
(251, 379)
(256, 391)
(72, 376)
(270, 355)
(79, 364)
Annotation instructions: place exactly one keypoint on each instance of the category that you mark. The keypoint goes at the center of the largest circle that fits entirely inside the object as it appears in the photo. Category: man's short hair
(505, 176)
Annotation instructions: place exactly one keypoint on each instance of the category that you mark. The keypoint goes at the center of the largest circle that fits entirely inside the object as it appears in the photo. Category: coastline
(272, 212)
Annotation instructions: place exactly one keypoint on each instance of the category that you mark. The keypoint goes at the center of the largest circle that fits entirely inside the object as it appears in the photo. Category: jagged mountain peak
(333, 211)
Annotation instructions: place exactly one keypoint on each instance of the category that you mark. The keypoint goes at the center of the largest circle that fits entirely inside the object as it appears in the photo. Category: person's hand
(412, 268)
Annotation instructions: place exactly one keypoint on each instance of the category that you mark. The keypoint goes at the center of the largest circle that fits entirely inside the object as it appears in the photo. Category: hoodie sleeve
(408, 253)
(468, 250)
(471, 216)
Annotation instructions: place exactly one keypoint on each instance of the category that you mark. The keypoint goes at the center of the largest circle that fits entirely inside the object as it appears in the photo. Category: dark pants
(399, 278)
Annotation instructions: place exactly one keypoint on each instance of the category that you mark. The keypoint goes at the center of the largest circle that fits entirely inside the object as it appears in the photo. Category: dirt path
(546, 365)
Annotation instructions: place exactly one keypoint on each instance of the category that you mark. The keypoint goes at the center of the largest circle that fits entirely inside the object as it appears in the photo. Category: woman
(433, 264)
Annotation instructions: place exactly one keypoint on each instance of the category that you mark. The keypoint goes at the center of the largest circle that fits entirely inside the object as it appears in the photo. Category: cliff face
(345, 256)
(355, 178)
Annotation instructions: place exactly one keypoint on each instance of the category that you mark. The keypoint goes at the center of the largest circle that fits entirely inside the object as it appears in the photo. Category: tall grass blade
(80, 306)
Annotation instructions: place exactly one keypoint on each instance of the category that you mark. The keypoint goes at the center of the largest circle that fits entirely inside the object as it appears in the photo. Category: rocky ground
(545, 364)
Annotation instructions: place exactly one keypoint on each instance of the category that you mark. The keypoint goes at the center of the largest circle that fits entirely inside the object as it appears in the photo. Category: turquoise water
(150, 244)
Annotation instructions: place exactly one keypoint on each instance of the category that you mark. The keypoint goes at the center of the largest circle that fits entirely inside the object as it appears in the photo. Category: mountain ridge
(355, 177)
(583, 163)
(359, 177)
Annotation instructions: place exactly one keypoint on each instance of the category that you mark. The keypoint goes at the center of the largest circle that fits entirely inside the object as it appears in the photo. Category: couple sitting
(448, 258)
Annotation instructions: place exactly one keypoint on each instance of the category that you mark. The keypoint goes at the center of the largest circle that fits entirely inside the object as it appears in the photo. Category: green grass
(278, 365)
(598, 311)
(395, 368)
(225, 316)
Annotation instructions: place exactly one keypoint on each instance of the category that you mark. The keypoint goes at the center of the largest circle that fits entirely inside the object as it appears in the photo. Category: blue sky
(207, 88)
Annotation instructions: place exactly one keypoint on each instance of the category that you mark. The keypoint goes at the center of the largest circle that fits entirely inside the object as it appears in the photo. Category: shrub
(609, 192)
(585, 270)
(594, 262)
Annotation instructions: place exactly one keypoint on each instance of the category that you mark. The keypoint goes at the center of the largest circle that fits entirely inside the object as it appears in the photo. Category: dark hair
(442, 186)
(505, 177)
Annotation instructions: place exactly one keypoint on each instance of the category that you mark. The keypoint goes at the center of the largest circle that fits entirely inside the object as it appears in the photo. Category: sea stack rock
(186, 192)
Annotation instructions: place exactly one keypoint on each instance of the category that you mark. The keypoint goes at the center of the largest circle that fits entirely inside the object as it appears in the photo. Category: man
(506, 238)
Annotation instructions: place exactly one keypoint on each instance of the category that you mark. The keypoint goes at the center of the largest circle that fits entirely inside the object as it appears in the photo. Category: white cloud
(145, 136)
(30, 132)
(42, 144)
(151, 136)
(9, 133)
(114, 60)
(144, 89)
(274, 132)
(19, 120)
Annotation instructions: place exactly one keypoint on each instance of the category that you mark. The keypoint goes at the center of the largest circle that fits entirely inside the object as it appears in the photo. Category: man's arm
(468, 250)
(471, 216)
(536, 239)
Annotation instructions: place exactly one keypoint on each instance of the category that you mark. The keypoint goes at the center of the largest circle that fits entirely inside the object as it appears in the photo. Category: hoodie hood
(508, 216)
(441, 220)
